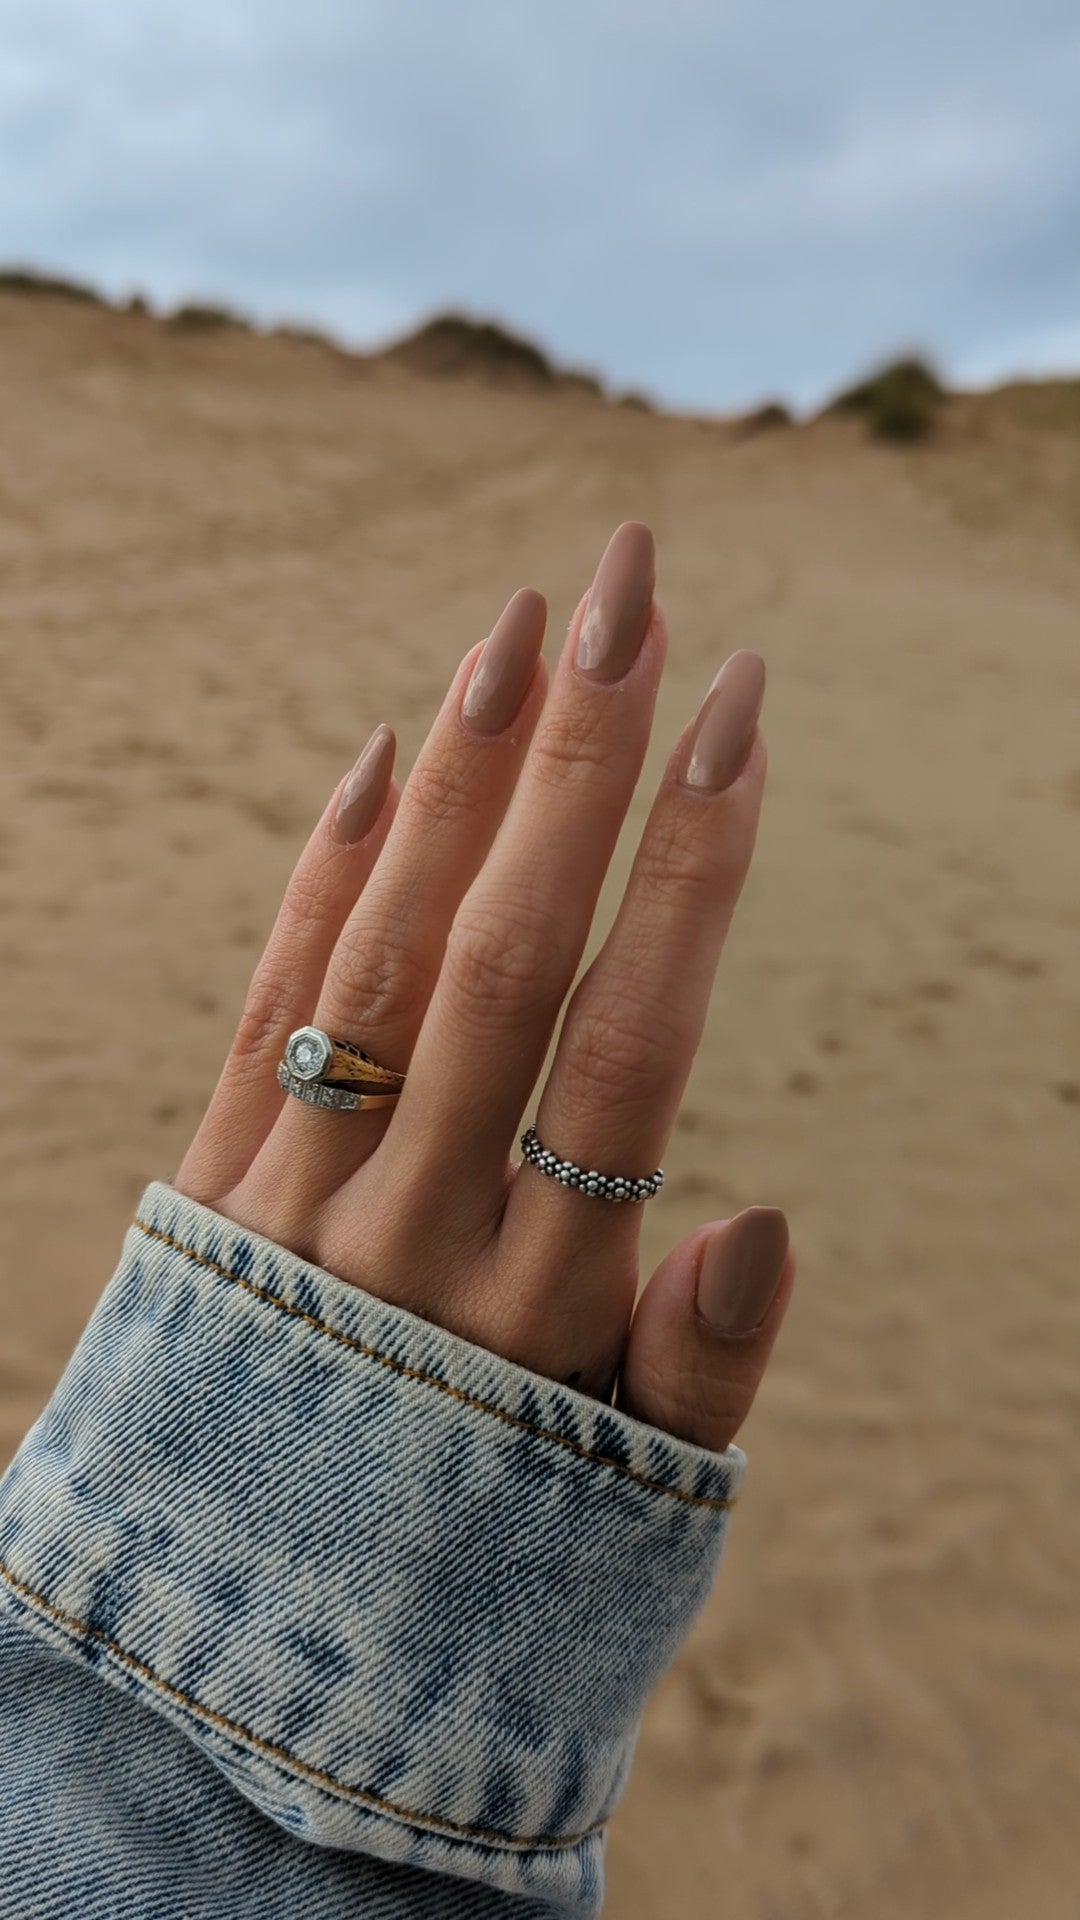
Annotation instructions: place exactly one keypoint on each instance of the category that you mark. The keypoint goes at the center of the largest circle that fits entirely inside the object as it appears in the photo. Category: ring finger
(634, 1023)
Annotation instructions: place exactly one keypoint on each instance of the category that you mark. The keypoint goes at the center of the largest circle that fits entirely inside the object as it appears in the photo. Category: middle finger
(519, 933)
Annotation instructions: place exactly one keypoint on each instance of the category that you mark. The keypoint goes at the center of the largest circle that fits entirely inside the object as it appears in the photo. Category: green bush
(582, 381)
(298, 336)
(26, 280)
(900, 402)
(774, 414)
(195, 318)
(452, 344)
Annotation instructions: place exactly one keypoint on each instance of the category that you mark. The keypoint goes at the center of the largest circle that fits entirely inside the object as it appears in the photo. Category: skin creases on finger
(384, 964)
(705, 1327)
(443, 1264)
(332, 871)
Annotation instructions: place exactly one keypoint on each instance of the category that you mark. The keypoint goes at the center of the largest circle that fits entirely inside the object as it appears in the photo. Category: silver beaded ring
(601, 1186)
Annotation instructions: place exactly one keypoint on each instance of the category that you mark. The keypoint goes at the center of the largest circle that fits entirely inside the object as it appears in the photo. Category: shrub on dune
(196, 318)
(769, 418)
(899, 402)
(454, 344)
(27, 280)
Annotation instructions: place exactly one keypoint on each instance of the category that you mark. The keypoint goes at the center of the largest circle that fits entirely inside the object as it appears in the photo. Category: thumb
(705, 1325)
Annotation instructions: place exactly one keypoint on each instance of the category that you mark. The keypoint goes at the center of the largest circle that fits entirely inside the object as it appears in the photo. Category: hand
(409, 928)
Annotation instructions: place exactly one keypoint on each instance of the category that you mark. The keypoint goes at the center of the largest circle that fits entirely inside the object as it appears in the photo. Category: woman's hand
(441, 928)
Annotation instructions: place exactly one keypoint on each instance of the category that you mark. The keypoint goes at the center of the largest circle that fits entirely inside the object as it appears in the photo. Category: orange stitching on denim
(233, 1727)
(430, 1379)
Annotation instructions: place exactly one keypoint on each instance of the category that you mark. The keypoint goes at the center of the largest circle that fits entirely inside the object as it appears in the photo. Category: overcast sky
(715, 202)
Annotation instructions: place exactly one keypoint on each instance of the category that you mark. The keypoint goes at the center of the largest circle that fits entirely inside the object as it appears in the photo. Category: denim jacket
(310, 1608)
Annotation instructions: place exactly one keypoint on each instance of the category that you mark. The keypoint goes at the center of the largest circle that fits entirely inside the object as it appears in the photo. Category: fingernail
(500, 679)
(741, 1269)
(365, 789)
(717, 748)
(616, 618)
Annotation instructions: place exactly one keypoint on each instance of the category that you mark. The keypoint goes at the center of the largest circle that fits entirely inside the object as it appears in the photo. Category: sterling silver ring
(599, 1186)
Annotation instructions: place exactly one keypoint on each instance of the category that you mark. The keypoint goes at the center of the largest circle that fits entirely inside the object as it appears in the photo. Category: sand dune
(224, 559)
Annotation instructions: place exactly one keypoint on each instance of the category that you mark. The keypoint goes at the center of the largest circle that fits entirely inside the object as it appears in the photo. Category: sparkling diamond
(307, 1053)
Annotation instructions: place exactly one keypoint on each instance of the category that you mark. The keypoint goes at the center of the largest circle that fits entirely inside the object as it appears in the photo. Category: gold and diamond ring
(330, 1073)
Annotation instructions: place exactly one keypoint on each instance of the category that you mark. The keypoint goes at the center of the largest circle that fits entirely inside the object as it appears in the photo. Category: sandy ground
(223, 561)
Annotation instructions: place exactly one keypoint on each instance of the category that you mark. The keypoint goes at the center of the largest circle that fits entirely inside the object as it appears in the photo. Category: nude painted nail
(616, 617)
(502, 674)
(365, 789)
(741, 1269)
(716, 751)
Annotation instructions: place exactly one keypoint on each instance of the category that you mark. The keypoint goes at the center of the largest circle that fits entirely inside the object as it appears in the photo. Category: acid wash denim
(309, 1608)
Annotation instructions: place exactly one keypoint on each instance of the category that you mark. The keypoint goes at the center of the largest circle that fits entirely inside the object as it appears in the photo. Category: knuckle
(375, 974)
(678, 856)
(614, 1049)
(504, 958)
(436, 795)
(268, 1016)
(270, 1008)
(570, 747)
(306, 904)
(695, 1401)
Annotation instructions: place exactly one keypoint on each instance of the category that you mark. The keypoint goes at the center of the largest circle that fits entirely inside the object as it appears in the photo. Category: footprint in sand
(920, 1028)
(133, 747)
(1019, 966)
(881, 997)
(832, 1043)
(97, 802)
(803, 1082)
(939, 990)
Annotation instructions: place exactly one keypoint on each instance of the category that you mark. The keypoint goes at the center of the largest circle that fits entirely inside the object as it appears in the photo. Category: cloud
(714, 203)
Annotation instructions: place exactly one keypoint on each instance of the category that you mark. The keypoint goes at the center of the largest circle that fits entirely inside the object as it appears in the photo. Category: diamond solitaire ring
(335, 1073)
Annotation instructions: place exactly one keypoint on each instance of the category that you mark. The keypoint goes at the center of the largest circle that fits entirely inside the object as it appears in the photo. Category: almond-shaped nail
(716, 750)
(365, 789)
(741, 1268)
(501, 677)
(616, 617)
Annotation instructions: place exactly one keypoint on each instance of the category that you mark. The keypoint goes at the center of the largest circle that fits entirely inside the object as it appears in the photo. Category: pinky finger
(326, 883)
(705, 1327)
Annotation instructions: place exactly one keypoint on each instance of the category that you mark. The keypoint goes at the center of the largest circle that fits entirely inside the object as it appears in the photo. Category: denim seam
(431, 1379)
(434, 1821)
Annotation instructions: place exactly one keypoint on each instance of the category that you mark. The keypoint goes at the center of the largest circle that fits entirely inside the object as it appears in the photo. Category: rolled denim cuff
(410, 1598)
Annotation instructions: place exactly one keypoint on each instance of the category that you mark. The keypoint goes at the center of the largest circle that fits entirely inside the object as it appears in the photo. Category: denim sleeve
(310, 1607)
